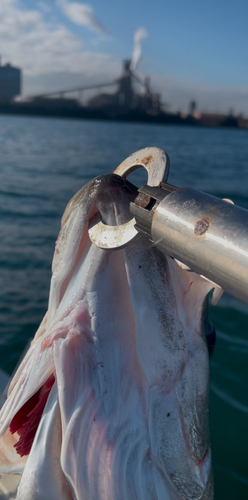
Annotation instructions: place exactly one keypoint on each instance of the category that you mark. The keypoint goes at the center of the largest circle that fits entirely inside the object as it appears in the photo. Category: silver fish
(111, 399)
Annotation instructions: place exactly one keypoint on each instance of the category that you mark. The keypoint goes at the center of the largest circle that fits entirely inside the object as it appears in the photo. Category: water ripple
(228, 399)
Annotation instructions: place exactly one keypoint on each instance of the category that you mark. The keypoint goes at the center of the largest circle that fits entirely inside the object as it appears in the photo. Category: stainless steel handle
(207, 234)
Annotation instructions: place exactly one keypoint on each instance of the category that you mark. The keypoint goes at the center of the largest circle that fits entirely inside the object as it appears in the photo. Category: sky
(190, 49)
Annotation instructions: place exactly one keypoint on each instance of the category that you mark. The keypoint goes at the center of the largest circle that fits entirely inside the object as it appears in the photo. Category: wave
(235, 475)
(238, 198)
(232, 340)
(4, 192)
(228, 399)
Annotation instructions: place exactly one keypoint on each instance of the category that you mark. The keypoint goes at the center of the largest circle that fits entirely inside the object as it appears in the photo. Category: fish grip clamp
(157, 164)
(205, 233)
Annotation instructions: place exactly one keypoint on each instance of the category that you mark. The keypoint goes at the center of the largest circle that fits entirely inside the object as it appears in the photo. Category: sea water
(43, 162)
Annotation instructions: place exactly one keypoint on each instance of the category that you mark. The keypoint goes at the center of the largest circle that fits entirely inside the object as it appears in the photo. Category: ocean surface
(43, 162)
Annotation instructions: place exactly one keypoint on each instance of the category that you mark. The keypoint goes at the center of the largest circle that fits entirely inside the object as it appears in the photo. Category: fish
(111, 399)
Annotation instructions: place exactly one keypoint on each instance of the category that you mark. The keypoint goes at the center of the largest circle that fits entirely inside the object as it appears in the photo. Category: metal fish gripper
(207, 234)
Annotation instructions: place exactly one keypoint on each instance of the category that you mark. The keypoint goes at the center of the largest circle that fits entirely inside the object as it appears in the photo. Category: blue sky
(193, 49)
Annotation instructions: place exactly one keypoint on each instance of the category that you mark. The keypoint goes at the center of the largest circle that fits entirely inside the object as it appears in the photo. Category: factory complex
(131, 100)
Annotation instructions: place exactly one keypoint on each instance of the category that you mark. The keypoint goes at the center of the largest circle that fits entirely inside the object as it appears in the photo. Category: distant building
(126, 95)
(10, 83)
(125, 99)
(192, 107)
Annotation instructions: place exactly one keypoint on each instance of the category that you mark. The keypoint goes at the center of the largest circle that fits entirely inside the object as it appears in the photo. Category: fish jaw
(123, 341)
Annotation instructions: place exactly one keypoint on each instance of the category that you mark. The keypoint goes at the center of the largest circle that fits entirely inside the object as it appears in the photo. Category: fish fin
(192, 289)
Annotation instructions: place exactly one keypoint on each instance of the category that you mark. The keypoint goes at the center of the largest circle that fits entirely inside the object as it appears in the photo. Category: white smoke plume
(139, 35)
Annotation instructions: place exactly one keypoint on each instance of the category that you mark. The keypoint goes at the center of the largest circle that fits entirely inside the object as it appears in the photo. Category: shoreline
(131, 116)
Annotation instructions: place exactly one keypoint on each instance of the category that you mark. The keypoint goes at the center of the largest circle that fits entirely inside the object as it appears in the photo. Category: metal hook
(157, 164)
(154, 160)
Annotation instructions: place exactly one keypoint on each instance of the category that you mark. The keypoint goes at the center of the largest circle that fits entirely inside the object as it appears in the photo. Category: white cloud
(50, 82)
(42, 47)
(81, 14)
(53, 58)
(44, 6)
(178, 93)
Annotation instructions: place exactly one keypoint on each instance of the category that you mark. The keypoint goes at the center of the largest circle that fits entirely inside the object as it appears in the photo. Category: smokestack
(126, 66)
(139, 35)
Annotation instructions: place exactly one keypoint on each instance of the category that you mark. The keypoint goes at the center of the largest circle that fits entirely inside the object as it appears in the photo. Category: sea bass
(111, 399)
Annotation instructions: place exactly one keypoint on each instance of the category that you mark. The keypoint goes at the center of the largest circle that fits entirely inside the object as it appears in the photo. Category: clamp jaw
(157, 164)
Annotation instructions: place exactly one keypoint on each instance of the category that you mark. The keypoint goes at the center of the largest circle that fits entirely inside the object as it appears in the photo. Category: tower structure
(10, 83)
(125, 91)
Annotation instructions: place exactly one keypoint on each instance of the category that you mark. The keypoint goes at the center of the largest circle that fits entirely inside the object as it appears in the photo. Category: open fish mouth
(111, 400)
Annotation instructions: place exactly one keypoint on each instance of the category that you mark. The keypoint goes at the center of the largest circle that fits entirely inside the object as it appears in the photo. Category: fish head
(111, 399)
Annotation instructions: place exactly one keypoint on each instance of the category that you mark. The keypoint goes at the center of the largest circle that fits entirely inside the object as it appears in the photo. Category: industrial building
(132, 100)
(10, 83)
(125, 99)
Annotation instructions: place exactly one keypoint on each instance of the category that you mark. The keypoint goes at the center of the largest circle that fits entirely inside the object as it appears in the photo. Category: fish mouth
(26, 421)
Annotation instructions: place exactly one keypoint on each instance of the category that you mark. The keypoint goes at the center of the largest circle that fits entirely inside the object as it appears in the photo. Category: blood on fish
(27, 419)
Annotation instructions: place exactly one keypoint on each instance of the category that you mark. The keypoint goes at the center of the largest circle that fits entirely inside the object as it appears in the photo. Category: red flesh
(27, 419)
